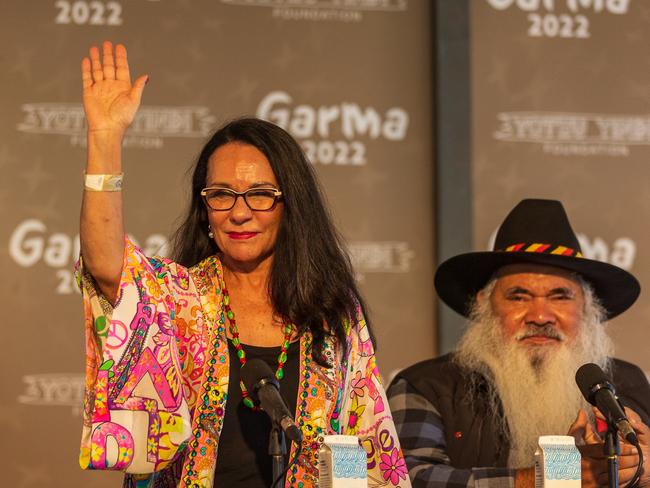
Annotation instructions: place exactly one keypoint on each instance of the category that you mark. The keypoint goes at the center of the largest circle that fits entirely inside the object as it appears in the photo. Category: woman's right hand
(110, 100)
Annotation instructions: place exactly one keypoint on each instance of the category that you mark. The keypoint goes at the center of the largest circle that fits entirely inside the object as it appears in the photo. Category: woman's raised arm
(110, 102)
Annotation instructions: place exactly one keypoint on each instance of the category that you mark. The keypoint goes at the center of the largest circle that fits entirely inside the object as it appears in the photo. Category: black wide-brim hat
(538, 232)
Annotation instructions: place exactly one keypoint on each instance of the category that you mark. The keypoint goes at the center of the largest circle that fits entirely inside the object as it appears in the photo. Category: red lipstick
(241, 235)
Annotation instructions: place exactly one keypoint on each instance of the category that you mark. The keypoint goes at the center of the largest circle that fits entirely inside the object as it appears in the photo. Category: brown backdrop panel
(560, 110)
(352, 84)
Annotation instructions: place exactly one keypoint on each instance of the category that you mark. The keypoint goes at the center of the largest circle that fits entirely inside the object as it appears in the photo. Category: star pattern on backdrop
(5, 201)
(511, 180)
(49, 188)
(635, 36)
(170, 24)
(213, 24)
(34, 177)
(285, 58)
(498, 74)
(23, 62)
(58, 87)
(369, 180)
(638, 89)
(46, 209)
(179, 80)
(312, 88)
(7, 158)
(8, 418)
(244, 91)
(33, 475)
(644, 15)
(195, 51)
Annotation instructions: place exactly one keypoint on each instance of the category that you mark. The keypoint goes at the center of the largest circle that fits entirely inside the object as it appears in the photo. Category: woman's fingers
(121, 64)
(112, 65)
(96, 65)
(138, 87)
(86, 77)
(108, 61)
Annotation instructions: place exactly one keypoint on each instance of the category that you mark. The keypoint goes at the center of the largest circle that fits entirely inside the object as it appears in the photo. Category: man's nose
(540, 312)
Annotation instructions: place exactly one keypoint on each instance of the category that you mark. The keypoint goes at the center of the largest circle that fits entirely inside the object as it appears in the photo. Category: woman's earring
(210, 233)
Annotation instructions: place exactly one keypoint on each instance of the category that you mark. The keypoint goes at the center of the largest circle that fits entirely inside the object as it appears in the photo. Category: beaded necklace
(241, 354)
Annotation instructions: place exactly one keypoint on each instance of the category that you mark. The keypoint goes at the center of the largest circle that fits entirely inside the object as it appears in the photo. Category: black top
(242, 456)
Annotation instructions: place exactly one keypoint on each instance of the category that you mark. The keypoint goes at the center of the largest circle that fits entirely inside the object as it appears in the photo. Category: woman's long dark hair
(311, 282)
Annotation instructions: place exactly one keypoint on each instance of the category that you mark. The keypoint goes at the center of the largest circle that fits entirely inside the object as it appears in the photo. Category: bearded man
(537, 311)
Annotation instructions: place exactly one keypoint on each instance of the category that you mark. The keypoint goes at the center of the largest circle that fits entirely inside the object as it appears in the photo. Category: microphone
(264, 388)
(600, 392)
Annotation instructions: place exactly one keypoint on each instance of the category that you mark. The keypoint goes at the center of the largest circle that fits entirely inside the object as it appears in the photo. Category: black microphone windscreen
(253, 371)
(587, 376)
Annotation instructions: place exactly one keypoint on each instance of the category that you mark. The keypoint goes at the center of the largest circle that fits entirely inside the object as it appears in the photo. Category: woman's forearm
(102, 225)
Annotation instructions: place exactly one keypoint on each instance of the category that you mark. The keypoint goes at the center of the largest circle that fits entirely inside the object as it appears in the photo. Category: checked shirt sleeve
(422, 436)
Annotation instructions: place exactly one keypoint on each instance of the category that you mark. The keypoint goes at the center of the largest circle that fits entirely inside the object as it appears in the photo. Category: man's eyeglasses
(259, 199)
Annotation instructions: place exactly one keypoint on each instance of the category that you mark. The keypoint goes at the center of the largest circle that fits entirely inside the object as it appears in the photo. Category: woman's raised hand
(110, 100)
(110, 103)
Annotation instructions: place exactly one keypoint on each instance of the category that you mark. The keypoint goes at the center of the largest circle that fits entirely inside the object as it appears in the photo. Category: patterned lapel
(207, 418)
(317, 398)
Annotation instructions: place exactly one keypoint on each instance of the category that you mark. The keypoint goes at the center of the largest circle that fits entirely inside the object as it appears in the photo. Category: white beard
(535, 385)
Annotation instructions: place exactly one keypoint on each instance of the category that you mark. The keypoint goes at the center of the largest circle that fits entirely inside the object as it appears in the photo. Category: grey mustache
(546, 331)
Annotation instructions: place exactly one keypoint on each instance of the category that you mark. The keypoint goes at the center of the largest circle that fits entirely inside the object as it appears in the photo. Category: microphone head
(591, 375)
(256, 373)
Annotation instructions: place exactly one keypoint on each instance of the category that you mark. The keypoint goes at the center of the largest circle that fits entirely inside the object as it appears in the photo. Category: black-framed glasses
(259, 199)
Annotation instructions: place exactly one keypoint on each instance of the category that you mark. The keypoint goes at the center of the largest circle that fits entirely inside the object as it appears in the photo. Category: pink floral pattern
(357, 385)
(393, 466)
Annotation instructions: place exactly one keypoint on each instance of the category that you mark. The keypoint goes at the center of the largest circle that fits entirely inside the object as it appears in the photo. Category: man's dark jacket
(471, 428)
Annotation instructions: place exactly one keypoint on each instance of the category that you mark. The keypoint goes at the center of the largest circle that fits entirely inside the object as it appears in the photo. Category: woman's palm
(110, 100)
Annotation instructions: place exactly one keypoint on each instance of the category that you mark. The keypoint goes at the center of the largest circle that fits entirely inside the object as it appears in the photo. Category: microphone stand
(277, 450)
(611, 450)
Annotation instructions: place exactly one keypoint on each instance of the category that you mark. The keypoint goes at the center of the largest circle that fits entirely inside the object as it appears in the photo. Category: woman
(258, 272)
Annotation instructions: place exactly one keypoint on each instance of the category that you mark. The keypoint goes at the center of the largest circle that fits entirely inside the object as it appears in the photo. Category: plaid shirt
(422, 436)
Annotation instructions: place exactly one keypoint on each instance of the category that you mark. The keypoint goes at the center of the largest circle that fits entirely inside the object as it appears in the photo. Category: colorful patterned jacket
(157, 380)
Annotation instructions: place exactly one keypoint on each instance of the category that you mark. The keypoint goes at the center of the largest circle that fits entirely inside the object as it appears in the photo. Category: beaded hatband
(540, 248)
(241, 354)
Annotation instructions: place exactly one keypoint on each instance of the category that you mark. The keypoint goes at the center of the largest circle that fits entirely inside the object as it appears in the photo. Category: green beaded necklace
(241, 354)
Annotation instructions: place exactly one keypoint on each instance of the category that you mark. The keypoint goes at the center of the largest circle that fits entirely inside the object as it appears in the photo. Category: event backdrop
(560, 109)
(351, 80)
(559, 97)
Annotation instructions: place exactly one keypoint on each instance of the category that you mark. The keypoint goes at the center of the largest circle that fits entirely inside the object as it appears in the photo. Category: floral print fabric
(157, 380)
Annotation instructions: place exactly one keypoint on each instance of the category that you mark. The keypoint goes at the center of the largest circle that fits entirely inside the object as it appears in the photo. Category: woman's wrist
(106, 136)
(104, 151)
